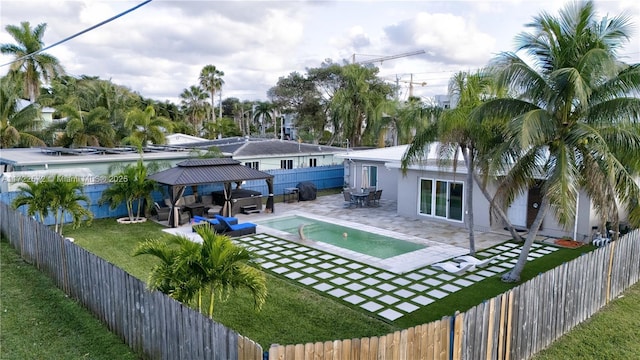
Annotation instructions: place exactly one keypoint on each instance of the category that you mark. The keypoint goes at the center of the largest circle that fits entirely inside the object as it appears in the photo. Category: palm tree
(132, 186)
(67, 194)
(36, 66)
(574, 120)
(146, 127)
(36, 195)
(14, 122)
(358, 104)
(194, 105)
(91, 129)
(262, 114)
(211, 80)
(217, 266)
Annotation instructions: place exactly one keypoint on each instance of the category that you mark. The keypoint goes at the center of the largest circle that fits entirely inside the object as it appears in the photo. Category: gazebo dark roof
(207, 171)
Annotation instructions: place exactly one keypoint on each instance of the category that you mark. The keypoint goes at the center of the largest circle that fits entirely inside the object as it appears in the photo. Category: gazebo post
(270, 201)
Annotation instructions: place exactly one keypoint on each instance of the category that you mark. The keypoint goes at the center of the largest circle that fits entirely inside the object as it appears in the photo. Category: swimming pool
(364, 242)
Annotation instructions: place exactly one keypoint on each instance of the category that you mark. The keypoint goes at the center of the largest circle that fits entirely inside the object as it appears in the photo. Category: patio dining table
(360, 198)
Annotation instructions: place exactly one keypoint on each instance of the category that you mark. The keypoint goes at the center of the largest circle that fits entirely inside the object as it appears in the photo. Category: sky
(159, 49)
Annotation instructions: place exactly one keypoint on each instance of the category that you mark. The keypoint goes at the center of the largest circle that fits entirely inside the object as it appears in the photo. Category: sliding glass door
(441, 198)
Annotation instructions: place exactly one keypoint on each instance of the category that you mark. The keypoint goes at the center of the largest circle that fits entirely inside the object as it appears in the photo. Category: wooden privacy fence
(151, 323)
(513, 325)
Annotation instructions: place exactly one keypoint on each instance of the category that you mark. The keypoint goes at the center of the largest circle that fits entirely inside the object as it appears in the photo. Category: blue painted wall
(324, 177)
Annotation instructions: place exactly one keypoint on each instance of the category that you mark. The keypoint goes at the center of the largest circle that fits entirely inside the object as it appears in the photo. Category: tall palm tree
(36, 66)
(15, 122)
(211, 80)
(574, 121)
(194, 105)
(146, 127)
(217, 266)
(262, 114)
(359, 103)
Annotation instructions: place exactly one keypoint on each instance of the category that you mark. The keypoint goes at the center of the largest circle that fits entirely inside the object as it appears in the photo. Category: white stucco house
(429, 190)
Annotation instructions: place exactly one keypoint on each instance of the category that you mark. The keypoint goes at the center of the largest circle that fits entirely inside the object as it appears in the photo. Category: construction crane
(385, 58)
(411, 83)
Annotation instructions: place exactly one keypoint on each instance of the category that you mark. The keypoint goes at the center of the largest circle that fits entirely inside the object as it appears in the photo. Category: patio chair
(472, 260)
(348, 199)
(237, 229)
(162, 211)
(376, 200)
(454, 268)
(371, 198)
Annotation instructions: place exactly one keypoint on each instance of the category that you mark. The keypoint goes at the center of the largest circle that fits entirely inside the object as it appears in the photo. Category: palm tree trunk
(467, 153)
(514, 274)
(61, 221)
(497, 209)
(213, 109)
(213, 295)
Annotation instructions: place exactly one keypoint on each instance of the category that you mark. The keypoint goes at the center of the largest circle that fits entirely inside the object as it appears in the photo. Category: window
(369, 176)
(313, 162)
(286, 164)
(441, 198)
(252, 164)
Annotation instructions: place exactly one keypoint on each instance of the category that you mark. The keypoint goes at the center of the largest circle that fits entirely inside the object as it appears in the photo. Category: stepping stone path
(384, 294)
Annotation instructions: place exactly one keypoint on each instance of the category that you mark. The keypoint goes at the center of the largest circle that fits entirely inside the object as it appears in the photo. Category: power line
(78, 34)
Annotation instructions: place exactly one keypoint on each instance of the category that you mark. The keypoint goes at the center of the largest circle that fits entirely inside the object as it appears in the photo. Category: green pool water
(363, 242)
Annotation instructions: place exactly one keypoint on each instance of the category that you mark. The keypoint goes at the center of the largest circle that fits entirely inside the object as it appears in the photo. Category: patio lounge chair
(203, 221)
(454, 268)
(229, 219)
(472, 260)
(237, 229)
(162, 212)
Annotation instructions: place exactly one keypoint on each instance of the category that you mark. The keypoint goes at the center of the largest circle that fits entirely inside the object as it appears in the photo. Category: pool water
(360, 241)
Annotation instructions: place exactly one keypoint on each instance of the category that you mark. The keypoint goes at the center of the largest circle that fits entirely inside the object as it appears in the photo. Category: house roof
(393, 153)
(208, 171)
(240, 147)
(392, 156)
(55, 155)
(175, 139)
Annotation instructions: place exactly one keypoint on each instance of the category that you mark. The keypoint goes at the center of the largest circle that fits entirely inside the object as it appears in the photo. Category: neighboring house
(182, 139)
(431, 190)
(259, 154)
(97, 160)
(46, 114)
(268, 154)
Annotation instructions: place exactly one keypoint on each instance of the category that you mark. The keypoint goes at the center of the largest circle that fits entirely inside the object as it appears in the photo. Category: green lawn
(613, 333)
(293, 314)
(37, 320)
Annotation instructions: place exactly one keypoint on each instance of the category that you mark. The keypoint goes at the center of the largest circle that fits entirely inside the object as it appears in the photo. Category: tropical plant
(262, 114)
(194, 106)
(36, 195)
(16, 121)
(91, 129)
(211, 80)
(574, 119)
(146, 127)
(131, 186)
(36, 66)
(216, 266)
(358, 104)
(67, 193)
(59, 194)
